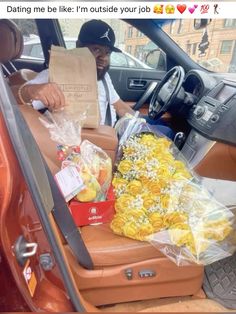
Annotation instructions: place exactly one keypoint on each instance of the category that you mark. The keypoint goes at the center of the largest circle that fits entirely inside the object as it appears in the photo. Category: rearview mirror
(156, 59)
(201, 23)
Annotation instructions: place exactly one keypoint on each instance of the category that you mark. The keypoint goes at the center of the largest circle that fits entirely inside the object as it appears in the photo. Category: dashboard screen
(226, 92)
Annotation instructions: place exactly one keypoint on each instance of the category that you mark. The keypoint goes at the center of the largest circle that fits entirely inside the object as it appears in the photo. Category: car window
(213, 46)
(32, 44)
(118, 59)
(36, 51)
(134, 44)
(70, 44)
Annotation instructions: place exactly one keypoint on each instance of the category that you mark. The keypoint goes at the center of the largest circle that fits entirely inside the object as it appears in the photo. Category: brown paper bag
(75, 72)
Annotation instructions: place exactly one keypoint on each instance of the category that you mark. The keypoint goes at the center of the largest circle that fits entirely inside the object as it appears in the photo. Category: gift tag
(69, 182)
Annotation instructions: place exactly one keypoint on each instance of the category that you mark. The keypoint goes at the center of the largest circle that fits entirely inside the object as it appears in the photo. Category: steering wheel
(148, 92)
(166, 92)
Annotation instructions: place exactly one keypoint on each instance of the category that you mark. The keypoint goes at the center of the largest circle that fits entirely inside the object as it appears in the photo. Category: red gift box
(93, 212)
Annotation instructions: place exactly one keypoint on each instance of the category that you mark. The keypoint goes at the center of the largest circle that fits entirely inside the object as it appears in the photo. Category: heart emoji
(195, 6)
(191, 10)
(181, 8)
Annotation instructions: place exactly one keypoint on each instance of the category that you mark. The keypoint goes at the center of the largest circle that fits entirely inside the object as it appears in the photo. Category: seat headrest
(11, 41)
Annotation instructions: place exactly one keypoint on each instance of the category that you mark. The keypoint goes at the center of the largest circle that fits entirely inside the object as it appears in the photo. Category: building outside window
(139, 52)
(188, 48)
(139, 34)
(172, 26)
(180, 27)
(229, 23)
(226, 46)
(130, 32)
(129, 49)
(194, 48)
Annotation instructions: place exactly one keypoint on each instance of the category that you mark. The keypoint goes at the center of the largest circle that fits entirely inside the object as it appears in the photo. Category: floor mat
(220, 281)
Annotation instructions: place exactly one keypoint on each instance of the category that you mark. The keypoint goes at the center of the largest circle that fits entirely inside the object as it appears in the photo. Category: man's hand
(49, 94)
(122, 108)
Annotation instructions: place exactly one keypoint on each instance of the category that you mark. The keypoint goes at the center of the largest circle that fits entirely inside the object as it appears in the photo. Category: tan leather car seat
(12, 49)
(113, 256)
(104, 136)
(11, 41)
(124, 269)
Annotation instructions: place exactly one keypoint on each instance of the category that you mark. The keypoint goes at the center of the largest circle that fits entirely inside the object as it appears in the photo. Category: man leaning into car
(99, 38)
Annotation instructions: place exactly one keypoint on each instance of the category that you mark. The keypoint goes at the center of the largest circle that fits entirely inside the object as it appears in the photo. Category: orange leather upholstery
(11, 49)
(104, 136)
(144, 111)
(219, 163)
(12, 41)
(108, 249)
(109, 284)
(21, 76)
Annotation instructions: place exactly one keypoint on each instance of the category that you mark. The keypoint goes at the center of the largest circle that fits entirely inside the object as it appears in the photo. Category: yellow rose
(176, 218)
(119, 182)
(117, 224)
(216, 230)
(134, 187)
(128, 150)
(164, 200)
(163, 171)
(124, 166)
(181, 175)
(135, 213)
(179, 164)
(163, 183)
(154, 187)
(164, 143)
(147, 140)
(178, 225)
(130, 229)
(144, 180)
(156, 220)
(166, 157)
(139, 165)
(181, 237)
(148, 200)
(145, 230)
(123, 202)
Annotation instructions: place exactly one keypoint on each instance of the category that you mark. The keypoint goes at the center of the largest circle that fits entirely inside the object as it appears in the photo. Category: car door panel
(24, 63)
(130, 84)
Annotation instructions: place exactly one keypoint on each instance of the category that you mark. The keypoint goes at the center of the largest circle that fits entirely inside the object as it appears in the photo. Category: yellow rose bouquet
(158, 199)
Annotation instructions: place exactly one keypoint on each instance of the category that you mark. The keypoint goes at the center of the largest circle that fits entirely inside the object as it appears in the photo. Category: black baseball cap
(98, 32)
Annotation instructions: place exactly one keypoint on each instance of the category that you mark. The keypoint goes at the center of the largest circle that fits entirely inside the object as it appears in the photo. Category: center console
(212, 119)
(214, 115)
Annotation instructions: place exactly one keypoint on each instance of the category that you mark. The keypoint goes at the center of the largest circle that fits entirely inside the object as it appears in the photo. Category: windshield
(212, 47)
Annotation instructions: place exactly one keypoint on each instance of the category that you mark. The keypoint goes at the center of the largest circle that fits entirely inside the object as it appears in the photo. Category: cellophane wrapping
(92, 163)
(160, 200)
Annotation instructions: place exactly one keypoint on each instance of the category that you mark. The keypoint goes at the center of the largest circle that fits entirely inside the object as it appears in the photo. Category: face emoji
(158, 9)
(170, 9)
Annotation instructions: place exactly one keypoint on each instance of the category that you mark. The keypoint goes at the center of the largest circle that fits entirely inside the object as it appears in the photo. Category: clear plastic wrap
(99, 164)
(128, 125)
(158, 199)
(64, 128)
(92, 163)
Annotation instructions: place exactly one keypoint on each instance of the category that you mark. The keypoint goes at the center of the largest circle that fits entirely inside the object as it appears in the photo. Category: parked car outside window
(33, 49)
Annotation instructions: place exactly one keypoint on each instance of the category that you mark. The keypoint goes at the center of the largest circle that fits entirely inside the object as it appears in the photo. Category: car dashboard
(212, 118)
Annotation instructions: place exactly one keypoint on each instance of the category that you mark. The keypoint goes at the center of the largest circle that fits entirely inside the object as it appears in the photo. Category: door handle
(137, 84)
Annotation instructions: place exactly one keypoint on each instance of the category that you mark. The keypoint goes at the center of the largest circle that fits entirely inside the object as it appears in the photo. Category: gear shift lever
(179, 139)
